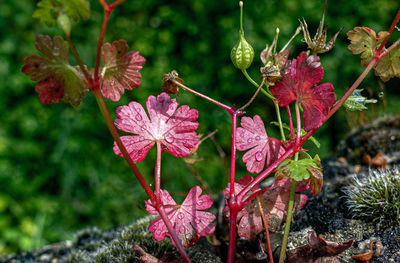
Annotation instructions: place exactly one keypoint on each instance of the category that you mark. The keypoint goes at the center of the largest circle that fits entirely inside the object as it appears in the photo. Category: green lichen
(376, 198)
(96, 246)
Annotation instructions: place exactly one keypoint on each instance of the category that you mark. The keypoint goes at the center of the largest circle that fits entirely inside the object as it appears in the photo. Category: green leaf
(356, 102)
(76, 9)
(45, 13)
(57, 78)
(49, 10)
(303, 132)
(296, 170)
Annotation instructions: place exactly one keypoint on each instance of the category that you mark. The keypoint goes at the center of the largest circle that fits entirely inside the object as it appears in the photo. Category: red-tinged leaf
(364, 41)
(121, 69)
(263, 149)
(389, 66)
(188, 221)
(274, 202)
(298, 78)
(172, 126)
(50, 90)
(57, 78)
(317, 250)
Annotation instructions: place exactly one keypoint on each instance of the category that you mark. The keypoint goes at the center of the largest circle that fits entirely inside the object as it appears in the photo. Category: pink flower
(298, 78)
(172, 126)
(188, 221)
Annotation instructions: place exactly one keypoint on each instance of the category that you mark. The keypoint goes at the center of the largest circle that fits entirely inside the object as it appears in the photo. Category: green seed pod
(242, 54)
(64, 23)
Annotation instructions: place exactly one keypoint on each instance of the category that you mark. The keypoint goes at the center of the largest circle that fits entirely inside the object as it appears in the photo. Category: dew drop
(56, 51)
(169, 138)
(169, 198)
(182, 229)
(197, 221)
(158, 232)
(42, 65)
(259, 156)
(180, 215)
(199, 202)
(257, 138)
(138, 117)
(250, 140)
(380, 95)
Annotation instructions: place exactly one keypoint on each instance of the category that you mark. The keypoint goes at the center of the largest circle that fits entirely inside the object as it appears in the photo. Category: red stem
(289, 152)
(159, 204)
(232, 204)
(394, 23)
(157, 174)
(107, 13)
(265, 222)
(227, 108)
(298, 125)
(232, 232)
(172, 232)
(290, 122)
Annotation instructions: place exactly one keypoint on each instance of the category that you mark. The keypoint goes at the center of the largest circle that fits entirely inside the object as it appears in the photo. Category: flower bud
(242, 54)
(64, 23)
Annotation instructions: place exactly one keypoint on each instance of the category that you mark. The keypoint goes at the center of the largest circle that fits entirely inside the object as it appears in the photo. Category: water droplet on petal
(138, 117)
(56, 51)
(250, 140)
(182, 229)
(169, 198)
(169, 138)
(259, 156)
(180, 215)
(257, 138)
(158, 232)
(197, 221)
(199, 202)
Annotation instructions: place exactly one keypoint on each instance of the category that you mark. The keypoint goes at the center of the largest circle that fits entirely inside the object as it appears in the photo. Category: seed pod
(242, 54)
(64, 23)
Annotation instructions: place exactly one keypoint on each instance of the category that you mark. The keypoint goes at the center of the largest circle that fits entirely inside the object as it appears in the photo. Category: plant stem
(157, 174)
(290, 122)
(298, 125)
(172, 232)
(78, 59)
(229, 109)
(107, 13)
(232, 233)
(265, 222)
(288, 221)
(394, 23)
(159, 204)
(256, 85)
(266, 93)
(115, 135)
(252, 98)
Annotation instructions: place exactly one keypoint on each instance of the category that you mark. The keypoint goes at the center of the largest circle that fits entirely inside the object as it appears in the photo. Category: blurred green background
(58, 172)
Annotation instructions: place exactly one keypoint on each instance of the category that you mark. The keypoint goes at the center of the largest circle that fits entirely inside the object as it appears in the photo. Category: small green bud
(64, 23)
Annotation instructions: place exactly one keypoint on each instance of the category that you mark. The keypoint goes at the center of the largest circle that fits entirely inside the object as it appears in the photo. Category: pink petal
(194, 200)
(133, 119)
(137, 147)
(264, 150)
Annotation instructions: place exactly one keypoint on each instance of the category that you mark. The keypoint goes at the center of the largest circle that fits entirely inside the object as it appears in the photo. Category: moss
(376, 198)
(96, 246)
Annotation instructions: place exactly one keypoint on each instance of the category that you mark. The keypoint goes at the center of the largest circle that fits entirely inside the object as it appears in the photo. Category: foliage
(49, 186)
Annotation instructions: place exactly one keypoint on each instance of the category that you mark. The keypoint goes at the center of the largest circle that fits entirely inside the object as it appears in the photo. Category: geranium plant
(291, 83)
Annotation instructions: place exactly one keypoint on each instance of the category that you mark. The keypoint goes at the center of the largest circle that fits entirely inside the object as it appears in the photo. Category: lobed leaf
(317, 250)
(263, 150)
(121, 69)
(172, 126)
(57, 78)
(274, 202)
(298, 78)
(187, 220)
(48, 10)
